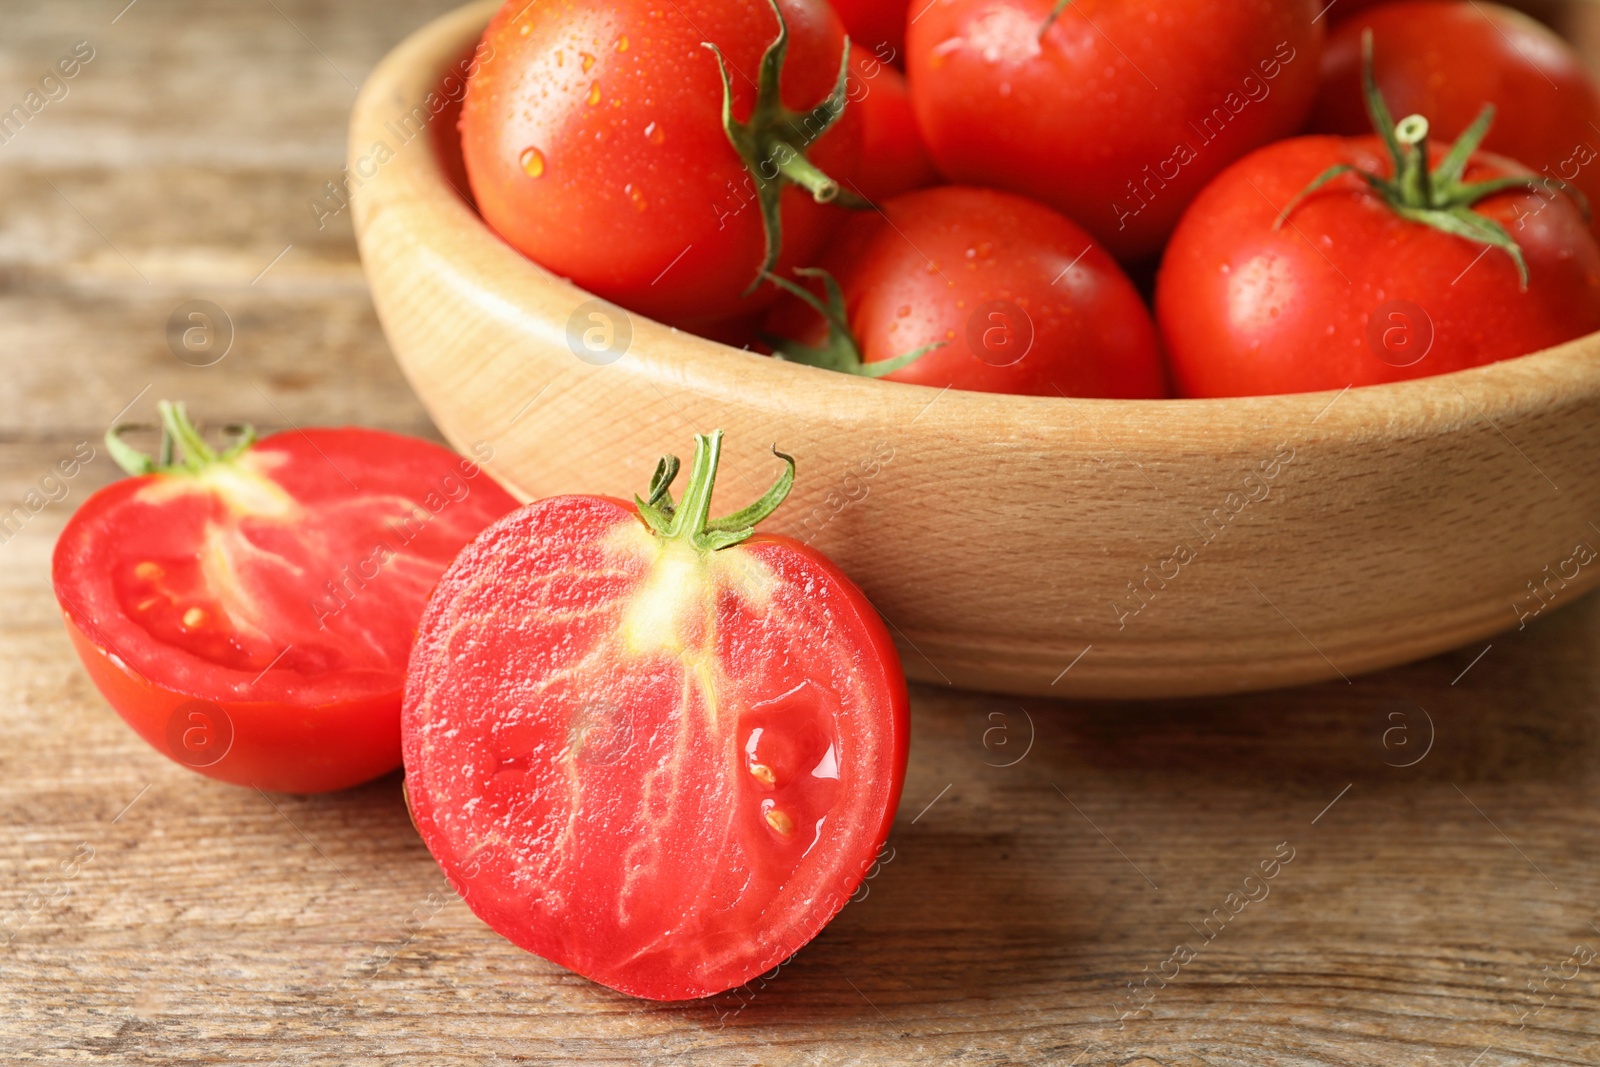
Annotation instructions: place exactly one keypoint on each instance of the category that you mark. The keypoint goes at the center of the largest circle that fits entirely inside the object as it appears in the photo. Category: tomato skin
(1246, 309)
(874, 24)
(647, 865)
(1076, 122)
(298, 688)
(1346, 9)
(1446, 60)
(1091, 334)
(893, 158)
(639, 196)
(278, 747)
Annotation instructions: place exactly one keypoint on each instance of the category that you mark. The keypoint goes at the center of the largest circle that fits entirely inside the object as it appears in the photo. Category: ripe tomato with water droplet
(616, 171)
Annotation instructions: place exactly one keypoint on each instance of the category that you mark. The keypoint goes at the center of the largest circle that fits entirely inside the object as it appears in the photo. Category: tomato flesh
(663, 769)
(274, 591)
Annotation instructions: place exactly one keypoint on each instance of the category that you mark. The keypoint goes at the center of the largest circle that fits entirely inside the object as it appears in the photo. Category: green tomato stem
(795, 167)
(1439, 197)
(689, 521)
(183, 449)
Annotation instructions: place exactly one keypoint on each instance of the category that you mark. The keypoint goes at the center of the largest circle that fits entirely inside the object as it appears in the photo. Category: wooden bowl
(1059, 547)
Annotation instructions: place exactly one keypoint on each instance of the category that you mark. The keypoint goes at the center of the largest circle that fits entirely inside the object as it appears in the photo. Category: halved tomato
(650, 747)
(249, 614)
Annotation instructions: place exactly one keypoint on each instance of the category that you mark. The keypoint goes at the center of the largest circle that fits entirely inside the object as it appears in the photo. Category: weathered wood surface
(217, 925)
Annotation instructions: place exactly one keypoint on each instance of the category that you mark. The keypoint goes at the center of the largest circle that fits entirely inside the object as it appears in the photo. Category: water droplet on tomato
(594, 93)
(527, 28)
(532, 161)
(654, 133)
(588, 61)
(194, 618)
(622, 43)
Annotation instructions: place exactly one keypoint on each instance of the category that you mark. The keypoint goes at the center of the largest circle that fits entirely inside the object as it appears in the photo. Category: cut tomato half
(653, 748)
(250, 613)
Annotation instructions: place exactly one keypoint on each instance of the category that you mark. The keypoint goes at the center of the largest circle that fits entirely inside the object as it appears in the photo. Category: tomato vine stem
(689, 519)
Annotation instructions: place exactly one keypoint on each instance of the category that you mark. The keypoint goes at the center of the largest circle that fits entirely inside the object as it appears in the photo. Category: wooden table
(1441, 906)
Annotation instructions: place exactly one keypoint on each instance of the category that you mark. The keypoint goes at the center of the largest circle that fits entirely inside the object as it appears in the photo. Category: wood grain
(216, 925)
(1191, 547)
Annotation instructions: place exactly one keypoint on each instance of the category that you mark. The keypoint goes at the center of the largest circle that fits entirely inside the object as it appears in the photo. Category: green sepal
(842, 350)
(690, 520)
(775, 139)
(183, 449)
(1434, 196)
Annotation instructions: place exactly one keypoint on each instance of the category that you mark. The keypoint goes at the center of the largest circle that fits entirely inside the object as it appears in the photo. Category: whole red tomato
(893, 158)
(1348, 290)
(658, 749)
(999, 294)
(594, 138)
(1115, 112)
(249, 614)
(878, 25)
(1446, 59)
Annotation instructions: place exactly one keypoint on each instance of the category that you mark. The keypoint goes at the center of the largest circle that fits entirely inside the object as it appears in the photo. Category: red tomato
(1344, 9)
(250, 615)
(658, 762)
(1447, 59)
(594, 138)
(877, 25)
(1348, 292)
(893, 158)
(1121, 112)
(1019, 298)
